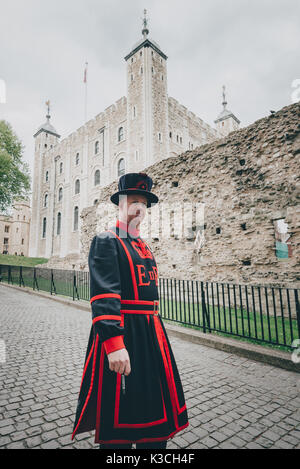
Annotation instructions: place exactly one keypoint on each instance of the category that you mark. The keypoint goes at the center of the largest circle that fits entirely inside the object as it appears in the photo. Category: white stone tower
(147, 103)
(46, 138)
(226, 122)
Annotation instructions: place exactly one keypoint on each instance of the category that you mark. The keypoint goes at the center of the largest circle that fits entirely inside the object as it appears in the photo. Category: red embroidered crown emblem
(142, 185)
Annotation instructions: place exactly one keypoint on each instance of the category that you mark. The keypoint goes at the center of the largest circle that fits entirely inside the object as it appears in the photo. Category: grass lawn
(7, 259)
(258, 328)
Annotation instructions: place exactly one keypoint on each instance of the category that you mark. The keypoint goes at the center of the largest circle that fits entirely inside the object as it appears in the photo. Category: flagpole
(85, 97)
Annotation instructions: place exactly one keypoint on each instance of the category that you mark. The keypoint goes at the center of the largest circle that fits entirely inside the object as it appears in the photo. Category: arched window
(77, 186)
(60, 168)
(76, 212)
(121, 134)
(97, 178)
(96, 148)
(46, 201)
(60, 194)
(58, 231)
(47, 176)
(77, 159)
(44, 227)
(96, 201)
(121, 167)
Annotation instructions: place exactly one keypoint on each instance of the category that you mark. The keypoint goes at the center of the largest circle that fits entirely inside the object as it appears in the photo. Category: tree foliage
(14, 172)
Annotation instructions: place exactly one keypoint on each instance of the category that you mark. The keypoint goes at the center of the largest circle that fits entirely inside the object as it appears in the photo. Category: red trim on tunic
(87, 363)
(125, 226)
(90, 389)
(105, 295)
(98, 411)
(113, 343)
(159, 333)
(135, 288)
(139, 302)
(136, 311)
(145, 440)
(180, 409)
(117, 424)
(106, 316)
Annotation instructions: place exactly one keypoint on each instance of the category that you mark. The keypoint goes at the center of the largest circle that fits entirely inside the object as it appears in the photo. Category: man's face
(133, 207)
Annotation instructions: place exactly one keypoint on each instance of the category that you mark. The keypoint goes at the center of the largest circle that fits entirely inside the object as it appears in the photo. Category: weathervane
(48, 109)
(145, 30)
(224, 98)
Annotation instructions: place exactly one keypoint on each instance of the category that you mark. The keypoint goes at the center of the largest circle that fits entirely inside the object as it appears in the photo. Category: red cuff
(113, 344)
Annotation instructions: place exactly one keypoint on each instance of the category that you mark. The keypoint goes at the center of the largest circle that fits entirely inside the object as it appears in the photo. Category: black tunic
(123, 287)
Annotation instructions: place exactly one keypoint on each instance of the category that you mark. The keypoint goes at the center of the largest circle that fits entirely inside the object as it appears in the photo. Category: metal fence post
(297, 311)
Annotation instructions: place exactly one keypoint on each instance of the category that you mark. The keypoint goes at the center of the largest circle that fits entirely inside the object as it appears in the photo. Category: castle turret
(226, 122)
(147, 102)
(46, 137)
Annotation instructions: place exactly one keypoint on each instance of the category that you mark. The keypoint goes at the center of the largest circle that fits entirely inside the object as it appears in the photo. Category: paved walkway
(232, 402)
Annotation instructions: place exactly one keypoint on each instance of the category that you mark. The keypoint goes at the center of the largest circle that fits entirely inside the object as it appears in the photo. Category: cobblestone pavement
(232, 402)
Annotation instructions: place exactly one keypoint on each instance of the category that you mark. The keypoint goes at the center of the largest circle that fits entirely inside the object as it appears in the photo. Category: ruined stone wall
(246, 181)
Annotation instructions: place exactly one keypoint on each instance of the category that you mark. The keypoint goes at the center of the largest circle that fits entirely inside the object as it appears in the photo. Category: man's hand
(119, 361)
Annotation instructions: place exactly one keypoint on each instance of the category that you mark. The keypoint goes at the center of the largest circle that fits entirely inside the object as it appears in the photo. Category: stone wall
(245, 181)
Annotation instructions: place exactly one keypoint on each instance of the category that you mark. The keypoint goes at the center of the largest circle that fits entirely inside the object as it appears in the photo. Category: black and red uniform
(124, 299)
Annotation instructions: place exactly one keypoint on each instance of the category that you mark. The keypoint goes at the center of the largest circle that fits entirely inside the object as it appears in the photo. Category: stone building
(15, 228)
(244, 193)
(143, 128)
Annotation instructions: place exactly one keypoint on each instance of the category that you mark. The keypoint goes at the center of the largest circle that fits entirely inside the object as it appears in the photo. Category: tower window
(131, 77)
(120, 134)
(121, 167)
(218, 230)
(76, 212)
(181, 140)
(22, 241)
(97, 178)
(60, 194)
(77, 159)
(159, 136)
(44, 227)
(96, 148)
(141, 53)
(6, 229)
(77, 186)
(170, 134)
(141, 70)
(46, 201)
(47, 176)
(61, 168)
(58, 231)
(95, 201)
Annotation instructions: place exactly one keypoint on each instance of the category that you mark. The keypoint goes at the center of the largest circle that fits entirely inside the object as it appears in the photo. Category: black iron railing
(262, 313)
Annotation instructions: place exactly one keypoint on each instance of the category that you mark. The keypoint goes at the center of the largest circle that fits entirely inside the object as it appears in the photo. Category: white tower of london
(136, 131)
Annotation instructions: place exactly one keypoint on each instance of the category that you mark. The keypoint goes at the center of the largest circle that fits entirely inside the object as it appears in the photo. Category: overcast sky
(253, 47)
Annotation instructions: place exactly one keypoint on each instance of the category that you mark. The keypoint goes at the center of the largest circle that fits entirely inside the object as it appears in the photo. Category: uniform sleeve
(105, 291)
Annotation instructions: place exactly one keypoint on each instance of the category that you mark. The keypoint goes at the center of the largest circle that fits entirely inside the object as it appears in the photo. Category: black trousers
(147, 445)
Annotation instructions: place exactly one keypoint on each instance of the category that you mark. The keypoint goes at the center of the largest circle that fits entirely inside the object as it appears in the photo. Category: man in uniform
(130, 390)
